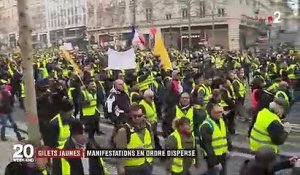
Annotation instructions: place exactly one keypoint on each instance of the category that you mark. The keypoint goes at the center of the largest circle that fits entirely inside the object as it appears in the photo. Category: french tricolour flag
(137, 39)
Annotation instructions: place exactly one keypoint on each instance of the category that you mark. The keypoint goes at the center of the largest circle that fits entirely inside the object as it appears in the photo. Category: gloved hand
(287, 127)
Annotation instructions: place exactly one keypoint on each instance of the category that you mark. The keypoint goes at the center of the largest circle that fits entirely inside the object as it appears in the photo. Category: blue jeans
(4, 118)
(3, 122)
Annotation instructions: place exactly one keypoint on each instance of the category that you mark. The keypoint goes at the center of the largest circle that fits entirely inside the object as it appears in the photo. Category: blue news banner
(140, 153)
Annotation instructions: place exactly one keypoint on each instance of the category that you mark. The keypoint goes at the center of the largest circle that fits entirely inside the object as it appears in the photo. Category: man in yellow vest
(89, 109)
(268, 129)
(183, 109)
(149, 108)
(282, 91)
(135, 95)
(78, 140)
(60, 126)
(136, 134)
(204, 92)
(240, 89)
(215, 140)
(228, 104)
(181, 138)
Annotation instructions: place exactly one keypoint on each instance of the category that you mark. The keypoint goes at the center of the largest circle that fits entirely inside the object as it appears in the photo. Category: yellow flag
(160, 50)
(70, 59)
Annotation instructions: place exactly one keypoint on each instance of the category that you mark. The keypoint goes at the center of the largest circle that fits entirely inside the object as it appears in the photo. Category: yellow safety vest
(92, 99)
(22, 90)
(64, 131)
(259, 136)
(131, 96)
(177, 165)
(45, 172)
(273, 87)
(291, 70)
(70, 93)
(65, 73)
(66, 168)
(242, 88)
(219, 136)
(110, 73)
(45, 73)
(136, 143)
(286, 98)
(223, 103)
(55, 74)
(126, 89)
(189, 115)
(144, 85)
(207, 91)
(219, 63)
(92, 72)
(150, 111)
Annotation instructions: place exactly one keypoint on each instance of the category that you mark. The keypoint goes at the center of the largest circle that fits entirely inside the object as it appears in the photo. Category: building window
(168, 16)
(221, 12)
(202, 9)
(185, 13)
(148, 14)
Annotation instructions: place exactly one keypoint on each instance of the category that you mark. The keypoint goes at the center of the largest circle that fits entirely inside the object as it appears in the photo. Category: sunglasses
(138, 116)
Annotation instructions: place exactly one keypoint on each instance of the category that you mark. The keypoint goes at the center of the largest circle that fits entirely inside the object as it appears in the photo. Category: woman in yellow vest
(181, 138)
(214, 139)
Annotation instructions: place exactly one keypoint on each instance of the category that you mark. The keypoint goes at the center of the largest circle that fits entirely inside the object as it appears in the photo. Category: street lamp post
(213, 22)
(134, 13)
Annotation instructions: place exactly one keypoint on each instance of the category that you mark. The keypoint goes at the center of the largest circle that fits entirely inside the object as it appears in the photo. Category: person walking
(83, 166)
(60, 126)
(5, 114)
(215, 140)
(89, 109)
(181, 138)
(269, 130)
(265, 163)
(136, 134)
(118, 103)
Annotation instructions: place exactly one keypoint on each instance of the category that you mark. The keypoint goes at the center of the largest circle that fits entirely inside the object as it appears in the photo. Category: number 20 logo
(23, 151)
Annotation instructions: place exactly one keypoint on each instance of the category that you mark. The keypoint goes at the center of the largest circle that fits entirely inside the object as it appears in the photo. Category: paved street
(291, 147)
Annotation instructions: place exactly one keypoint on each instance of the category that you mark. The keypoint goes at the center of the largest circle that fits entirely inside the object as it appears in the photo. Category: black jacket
(95, 166)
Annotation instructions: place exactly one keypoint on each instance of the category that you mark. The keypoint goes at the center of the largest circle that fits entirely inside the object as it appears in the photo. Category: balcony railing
(180, 21)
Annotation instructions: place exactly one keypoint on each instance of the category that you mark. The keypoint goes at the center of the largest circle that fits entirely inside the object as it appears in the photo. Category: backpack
(129, 131)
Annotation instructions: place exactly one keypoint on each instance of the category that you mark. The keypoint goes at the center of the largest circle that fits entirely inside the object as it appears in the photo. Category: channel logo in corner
(23, 153)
